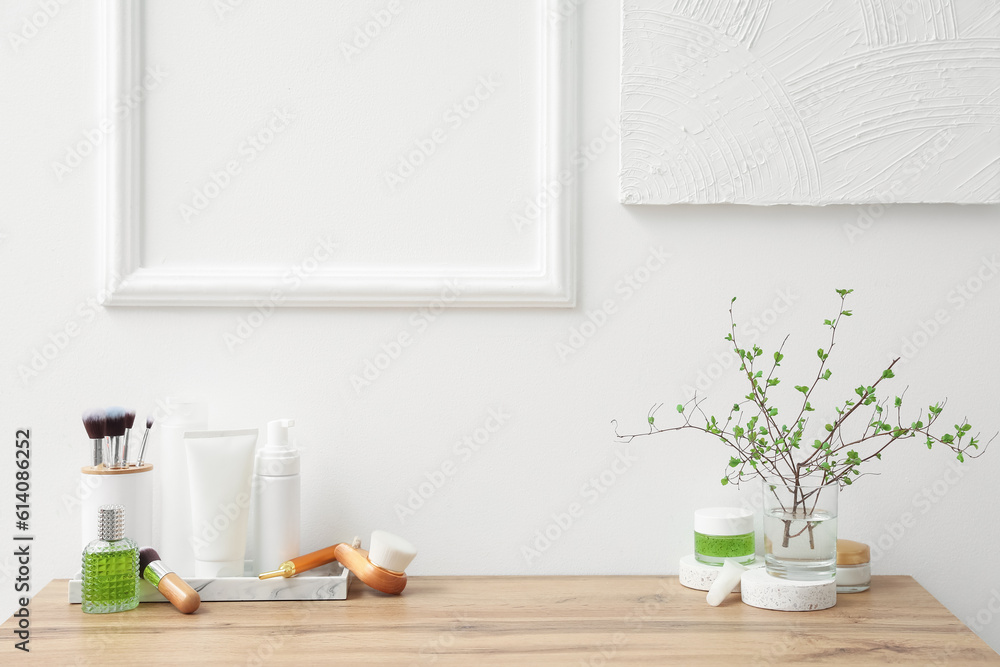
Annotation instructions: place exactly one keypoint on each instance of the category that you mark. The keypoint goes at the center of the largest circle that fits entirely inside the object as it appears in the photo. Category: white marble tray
(328, 582)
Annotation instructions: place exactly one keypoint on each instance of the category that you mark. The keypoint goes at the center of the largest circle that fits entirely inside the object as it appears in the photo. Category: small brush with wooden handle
(168, 582)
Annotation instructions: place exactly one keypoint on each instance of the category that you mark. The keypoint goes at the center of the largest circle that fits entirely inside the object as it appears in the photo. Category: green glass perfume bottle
(110, 566)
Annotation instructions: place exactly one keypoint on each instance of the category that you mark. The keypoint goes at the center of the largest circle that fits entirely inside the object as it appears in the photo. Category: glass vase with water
(800, 528)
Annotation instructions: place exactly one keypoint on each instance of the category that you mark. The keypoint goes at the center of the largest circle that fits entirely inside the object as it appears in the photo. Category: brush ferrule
(98, 451)
(125, 448)
(141, 459)
(116, 451)
(155, 571)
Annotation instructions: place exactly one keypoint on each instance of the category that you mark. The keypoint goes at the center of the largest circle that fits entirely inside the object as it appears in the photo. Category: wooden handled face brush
(169, 583)
(381, 567)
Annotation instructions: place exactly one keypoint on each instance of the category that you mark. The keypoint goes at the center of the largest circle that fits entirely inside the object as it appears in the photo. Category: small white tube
(220, 467)
(724, 584)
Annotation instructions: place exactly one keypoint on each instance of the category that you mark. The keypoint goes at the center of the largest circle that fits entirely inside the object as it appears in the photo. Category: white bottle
(276, 499)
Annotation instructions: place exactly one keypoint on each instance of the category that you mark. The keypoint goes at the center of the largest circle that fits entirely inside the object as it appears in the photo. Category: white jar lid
(723, 521)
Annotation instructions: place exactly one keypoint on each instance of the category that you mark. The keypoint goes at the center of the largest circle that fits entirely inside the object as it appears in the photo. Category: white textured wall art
(810, 101)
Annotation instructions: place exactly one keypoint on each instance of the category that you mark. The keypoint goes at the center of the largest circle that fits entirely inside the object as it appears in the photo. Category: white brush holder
(131, 488)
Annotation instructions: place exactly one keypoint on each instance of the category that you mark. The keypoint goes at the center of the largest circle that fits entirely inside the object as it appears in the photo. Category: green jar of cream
(724, 533)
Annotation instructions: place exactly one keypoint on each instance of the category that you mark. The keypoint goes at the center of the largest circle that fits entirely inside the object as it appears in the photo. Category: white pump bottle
(276, 499)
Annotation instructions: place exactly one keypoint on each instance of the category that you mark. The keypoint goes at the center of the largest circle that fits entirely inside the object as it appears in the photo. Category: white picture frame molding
(125, 282)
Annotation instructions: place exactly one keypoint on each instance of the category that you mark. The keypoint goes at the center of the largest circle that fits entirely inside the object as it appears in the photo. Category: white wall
(366, 451)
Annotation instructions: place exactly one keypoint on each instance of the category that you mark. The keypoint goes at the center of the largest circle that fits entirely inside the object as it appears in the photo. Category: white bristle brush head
(390, 552)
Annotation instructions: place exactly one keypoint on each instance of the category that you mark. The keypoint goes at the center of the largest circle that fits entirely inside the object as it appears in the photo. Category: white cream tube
(220, 468)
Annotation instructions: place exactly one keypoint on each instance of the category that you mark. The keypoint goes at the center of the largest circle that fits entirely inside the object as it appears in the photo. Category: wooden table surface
(578, 621)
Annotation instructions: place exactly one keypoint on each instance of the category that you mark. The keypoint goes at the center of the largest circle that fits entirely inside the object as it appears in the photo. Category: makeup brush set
(221, 472)
(118, 473)
(110, 431)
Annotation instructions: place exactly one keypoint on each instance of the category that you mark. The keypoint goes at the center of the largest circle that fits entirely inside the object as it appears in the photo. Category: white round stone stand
(760, 589)
(699, 576)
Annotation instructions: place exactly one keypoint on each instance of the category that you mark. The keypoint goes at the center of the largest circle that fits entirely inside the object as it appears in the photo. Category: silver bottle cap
(111, 522)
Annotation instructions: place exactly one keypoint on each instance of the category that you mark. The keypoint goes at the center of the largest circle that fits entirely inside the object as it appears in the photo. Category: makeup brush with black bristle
(142, 448)
(95, 421)
(129, 420)
(116, 429)
(168, 582)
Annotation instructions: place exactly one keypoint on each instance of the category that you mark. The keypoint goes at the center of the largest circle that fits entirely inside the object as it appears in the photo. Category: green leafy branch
(761, 447)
